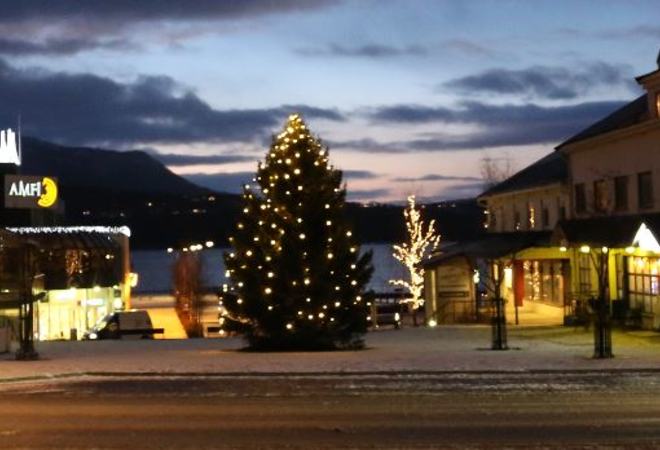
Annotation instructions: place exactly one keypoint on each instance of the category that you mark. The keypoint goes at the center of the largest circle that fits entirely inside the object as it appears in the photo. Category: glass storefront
(544, 281)
(67, 313)
(644, 283)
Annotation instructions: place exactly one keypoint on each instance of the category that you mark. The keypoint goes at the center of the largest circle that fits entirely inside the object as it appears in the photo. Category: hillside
(106, 187)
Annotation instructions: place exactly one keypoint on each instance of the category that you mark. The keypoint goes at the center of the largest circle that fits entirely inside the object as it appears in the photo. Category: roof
(624, 117)
(491, 246)
(609, 231)
(550, 169)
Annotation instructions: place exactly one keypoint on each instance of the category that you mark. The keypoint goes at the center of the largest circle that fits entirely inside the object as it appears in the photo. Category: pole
(603, 327)
(26, 349)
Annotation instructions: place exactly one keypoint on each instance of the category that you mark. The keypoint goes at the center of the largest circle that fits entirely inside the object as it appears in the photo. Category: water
(154, 268)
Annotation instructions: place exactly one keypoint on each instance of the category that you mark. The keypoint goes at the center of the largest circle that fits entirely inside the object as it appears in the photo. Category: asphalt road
(433, 410)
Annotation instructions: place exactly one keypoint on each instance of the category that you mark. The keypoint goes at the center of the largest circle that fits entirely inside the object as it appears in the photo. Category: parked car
(132, 324)
(387, 313)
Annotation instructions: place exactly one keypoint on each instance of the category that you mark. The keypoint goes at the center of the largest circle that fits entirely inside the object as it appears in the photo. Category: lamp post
(498, 320)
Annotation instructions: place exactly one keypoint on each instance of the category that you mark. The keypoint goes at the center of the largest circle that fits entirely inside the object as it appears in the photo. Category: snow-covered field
(455, 348)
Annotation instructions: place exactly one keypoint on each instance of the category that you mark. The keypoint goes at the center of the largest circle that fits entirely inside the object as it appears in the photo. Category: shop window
(601, 197)
(621, 193)
(544, 281)
(580, 198)
(645, 190)
(643, 282)
(584, 275)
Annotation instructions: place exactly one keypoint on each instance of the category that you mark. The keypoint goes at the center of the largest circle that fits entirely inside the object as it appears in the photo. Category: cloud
(359, 174)
(499, 125)
(435, 177)
(178, 159)
(461, 191)
(90, 109)
(367, 194)
(16, 47)
(635, 32)
(467, 47)
(546, 82)
(125, 11)
(367, 145)
(374, 51)
(231, 182)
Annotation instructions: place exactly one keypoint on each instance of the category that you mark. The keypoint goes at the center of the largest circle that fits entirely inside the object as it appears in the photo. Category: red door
(518, 283)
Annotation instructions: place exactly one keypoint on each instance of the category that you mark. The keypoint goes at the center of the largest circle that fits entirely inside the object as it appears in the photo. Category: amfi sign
(30, 192)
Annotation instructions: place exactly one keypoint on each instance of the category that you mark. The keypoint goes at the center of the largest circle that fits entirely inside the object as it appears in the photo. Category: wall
(504, 205)
(625, 153)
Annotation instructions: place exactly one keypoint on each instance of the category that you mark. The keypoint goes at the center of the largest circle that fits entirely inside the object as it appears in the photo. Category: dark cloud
(435, 177)
(367, 146)
(367, 194)
(460, 191)
(89, 109)
(500, 125)
(126, 11)
(14, 47)
(177, 159)
(543, 81)
(359, 174)
(231, 182)
(375, 51)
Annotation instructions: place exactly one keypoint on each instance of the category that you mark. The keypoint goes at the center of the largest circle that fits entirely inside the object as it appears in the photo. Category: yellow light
(239, 301)
(248, 253)
(337, 304)
(268, 291)
(271, 274)
(585, 249)
(563, 249)
(349, 234)
(605, 249)
(289, 326)
(630, 250)
(328, 222)
(301, 235)
(170, 249)
(133, 279)
(306, 281)
(330, 256)
(433, 323)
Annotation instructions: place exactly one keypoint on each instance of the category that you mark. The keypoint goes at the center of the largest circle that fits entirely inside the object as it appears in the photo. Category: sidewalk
(442, 349)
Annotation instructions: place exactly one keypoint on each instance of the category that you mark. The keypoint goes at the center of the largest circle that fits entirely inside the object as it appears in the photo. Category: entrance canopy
(492, 246)
(611, 231)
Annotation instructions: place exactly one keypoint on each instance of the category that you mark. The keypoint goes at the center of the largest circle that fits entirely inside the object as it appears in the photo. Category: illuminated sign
(30, 192)
(10, 147)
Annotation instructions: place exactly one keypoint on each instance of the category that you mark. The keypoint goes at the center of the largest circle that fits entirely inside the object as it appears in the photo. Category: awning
(610, 231)
(492, 246)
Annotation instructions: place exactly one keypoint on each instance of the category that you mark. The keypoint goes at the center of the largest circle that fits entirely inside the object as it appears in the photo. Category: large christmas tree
(297, 278)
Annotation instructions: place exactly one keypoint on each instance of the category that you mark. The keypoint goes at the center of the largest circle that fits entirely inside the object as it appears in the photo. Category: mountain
(84, 167)
(108, 187)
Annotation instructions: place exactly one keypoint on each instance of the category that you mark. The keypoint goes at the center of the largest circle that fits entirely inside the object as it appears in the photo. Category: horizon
(409, 96)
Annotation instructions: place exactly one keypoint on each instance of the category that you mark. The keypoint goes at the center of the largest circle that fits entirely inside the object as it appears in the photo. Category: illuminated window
(531, 216)
(657, 103)
(516, 220)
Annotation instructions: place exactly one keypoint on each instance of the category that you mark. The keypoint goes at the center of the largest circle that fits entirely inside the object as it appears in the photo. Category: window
(493, 221)
(657, 104)
(516, 220)
(580, 198)
(645, 190)
(562, 212)
(544, 281)
(601, 200)
(531, 216)
(584, 274)
(643, 282)
(621, 193)
(545, 217)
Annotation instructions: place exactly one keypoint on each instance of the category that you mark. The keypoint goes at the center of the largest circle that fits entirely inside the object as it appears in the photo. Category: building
(55, 281)
(521, 213)
(587, 212)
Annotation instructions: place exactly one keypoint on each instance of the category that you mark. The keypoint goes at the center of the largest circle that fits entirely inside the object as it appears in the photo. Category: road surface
(403, 410)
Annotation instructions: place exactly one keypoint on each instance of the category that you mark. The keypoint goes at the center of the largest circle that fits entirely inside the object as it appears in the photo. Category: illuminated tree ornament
(412, 252)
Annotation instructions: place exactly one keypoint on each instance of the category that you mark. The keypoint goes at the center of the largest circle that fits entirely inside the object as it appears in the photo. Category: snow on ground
(447, 348)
